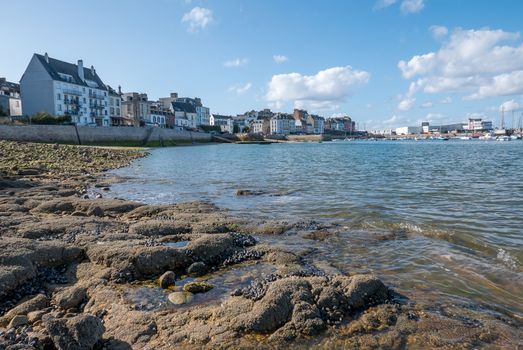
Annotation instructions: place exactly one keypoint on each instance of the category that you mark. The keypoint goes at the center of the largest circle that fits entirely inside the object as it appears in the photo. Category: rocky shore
(81, 271)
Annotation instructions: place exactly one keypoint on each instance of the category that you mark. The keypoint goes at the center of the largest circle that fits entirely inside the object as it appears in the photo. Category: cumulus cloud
(406, 103)
(240, 89)
(323, 89)
(280, 58)
(509, 106)
(439, 32)
(236, 62)
(411, 6)
(198, 18)
(477, 62)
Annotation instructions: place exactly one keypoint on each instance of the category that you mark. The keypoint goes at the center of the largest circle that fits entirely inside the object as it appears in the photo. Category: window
(59, 97)
(118, 111)
(60, 108)
(105, 112)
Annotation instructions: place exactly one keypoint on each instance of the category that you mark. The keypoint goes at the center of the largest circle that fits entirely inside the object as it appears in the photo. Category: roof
(55, 66)
(9, 86)
(219, 116)
(183, 107)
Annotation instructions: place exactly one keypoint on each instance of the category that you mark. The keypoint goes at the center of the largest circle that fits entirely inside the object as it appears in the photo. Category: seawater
(434, 219)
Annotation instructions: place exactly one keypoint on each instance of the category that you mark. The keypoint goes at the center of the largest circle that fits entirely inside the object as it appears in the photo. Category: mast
(502, 117)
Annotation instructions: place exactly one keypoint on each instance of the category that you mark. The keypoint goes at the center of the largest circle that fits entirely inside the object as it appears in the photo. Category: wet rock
(167, 279)
(197, 287)
(81, 332)
(29, 171)
(17, 321)
(70, 297)
(197, 269)
(95, 211)
(159, 228)
(179, 298)
(244, 192)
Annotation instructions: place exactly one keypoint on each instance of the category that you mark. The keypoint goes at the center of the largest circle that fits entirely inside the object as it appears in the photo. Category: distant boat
(465, 138)
(503, 138)
(442, 138)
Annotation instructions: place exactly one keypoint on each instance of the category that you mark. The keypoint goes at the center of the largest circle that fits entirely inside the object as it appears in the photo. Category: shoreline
(71, 261)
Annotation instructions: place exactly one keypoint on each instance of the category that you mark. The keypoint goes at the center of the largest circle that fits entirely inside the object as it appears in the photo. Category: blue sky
(460, 58)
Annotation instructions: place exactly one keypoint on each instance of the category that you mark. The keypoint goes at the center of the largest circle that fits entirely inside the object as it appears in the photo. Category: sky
(385, 63)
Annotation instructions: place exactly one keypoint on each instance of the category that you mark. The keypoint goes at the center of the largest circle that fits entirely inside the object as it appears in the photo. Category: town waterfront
(439, 221)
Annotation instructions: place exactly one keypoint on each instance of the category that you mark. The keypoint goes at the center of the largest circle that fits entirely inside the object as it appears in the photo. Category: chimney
(119, 89)
(81, 70)
(92, 70)
(46, 57)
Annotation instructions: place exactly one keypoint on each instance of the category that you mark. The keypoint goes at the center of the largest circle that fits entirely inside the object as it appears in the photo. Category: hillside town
(74, 93)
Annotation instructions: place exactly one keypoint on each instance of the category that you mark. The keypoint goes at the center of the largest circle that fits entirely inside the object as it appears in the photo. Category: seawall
(106, 136)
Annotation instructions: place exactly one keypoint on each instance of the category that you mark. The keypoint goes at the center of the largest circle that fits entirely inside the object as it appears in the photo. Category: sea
(439, 221)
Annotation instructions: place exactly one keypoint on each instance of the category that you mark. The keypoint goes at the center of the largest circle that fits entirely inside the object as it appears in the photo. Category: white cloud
(406, 103)
(411, 6)
(446, 100)
(509, 106)
(198, 18)
(381, 4)
(395, 121)
(478, 62)
(439, 32)
(236, 62)
(240, 89)
(324, 89)
(427, 104)
(280, 58)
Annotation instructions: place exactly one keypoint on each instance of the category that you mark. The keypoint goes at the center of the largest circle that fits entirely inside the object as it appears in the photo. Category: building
(425, 128)
(225, 122)
(136, 107)
(185, 113)
(183, 108)
(317, 123)
(408, 130)
(115, 108)
(343, 124)
(477, 124)
(446, 128)
(62, 88)
(282, 124)
(10, 101)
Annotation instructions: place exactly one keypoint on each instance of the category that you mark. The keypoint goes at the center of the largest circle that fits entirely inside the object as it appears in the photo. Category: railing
(72, 102)
(95, 95)
(72, 92)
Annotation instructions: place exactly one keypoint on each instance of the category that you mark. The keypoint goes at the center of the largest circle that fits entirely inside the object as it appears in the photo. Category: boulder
(167, 279)
(70, 297)
(197, 287)
(81, 332)
(197, 269)
(38, 302)
(17, 321)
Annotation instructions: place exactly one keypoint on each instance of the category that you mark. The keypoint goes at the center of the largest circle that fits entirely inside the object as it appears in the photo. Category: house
(161, 117)
(477, 124)
(62, 88)
(317, 123)
(186, 113)
(10, 101)
(136, 107)
(202, 113)
(283, 124)
(225, 122)
(343, 124)
(115, 108)
(408, 130)
(261, 126)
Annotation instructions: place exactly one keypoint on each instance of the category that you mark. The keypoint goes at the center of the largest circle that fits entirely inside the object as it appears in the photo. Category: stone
(38, 302)
(243, 192)
(197, 287)
(81, 332)
(197, 269)
(179, 298)
(167, 279)
(17, 321)
(70, 297)
(95, 211)
(35, 316)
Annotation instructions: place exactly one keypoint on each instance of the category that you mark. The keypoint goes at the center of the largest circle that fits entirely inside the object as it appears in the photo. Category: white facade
(225, 123)
(257, 126)
(60, 88)
(203, 115)
(156, 119)
(407, 130)
(283, 125)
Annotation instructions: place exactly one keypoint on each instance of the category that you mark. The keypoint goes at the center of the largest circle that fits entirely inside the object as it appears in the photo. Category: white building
(408, 130)
(283, 124)
(477, 124)
(203, 115)
(62, 88)
(225, 122)
(10, 102)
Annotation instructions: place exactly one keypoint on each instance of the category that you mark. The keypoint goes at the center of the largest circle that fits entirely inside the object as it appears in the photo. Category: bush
(209, 128)
(45, 118)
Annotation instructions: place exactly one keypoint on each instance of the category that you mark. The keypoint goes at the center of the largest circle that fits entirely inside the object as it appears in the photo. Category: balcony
(71, 102)
(95, 95)
(72, 92)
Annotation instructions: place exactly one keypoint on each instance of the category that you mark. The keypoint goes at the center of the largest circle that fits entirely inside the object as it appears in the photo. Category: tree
(247, 129)
(235, 129)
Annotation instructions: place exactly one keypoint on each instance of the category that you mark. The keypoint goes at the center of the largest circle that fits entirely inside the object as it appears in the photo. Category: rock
(70, 297)
(167, 279)
(242, 192)
(81, 332)
(197, 287)
(29, 172)
(34, 316)
(197, 269)
(95, 211)
(36, 303)
(159, 228)
(78, 213)
(17, 321)
(180, 298)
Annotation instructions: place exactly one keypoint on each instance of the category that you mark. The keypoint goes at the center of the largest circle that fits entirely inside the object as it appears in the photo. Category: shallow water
(433, 217)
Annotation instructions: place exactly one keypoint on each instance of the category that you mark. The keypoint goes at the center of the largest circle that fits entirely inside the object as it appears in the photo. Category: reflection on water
(438, 216)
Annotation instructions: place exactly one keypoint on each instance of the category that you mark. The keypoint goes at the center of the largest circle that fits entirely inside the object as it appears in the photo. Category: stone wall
(85, 135)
